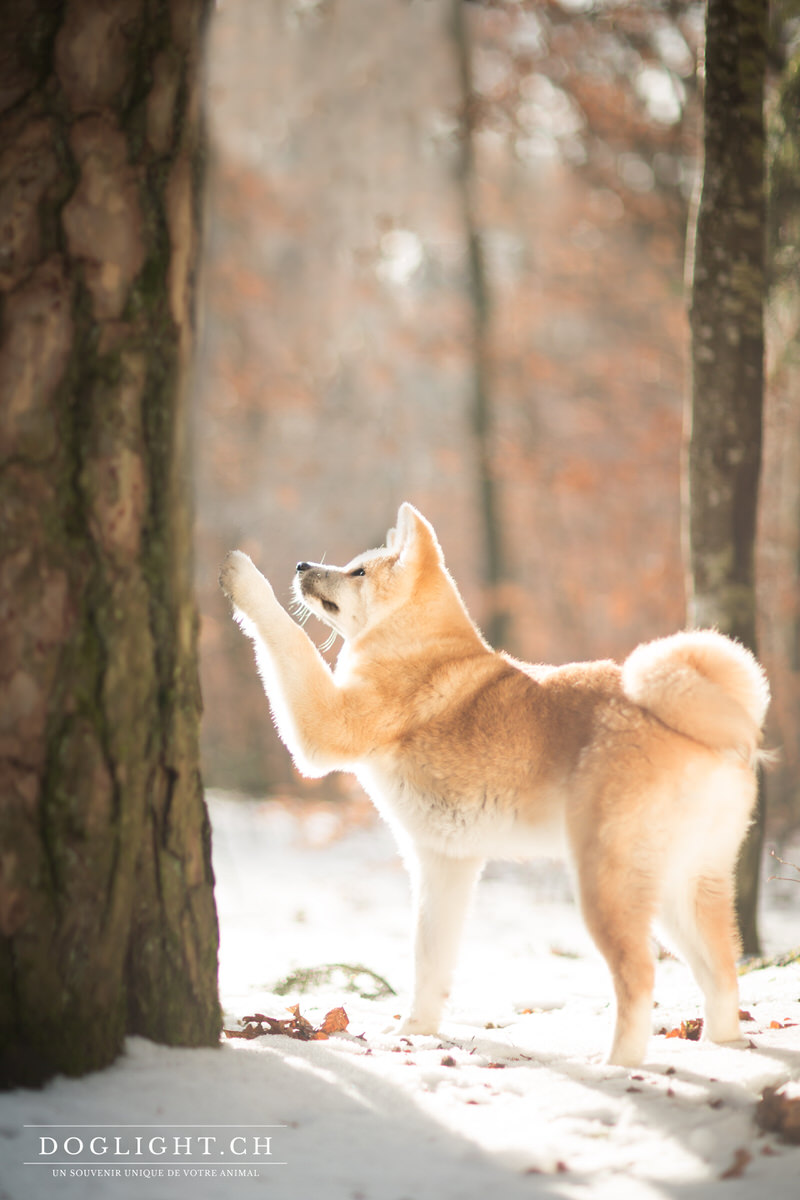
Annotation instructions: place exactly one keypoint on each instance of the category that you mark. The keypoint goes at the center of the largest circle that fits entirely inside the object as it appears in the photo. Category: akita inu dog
(646, 771)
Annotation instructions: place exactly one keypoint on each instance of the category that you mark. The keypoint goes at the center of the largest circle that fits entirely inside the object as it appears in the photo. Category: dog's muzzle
(309, 574)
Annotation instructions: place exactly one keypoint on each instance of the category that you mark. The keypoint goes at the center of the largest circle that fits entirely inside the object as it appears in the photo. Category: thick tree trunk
(727, 322)
(107, 919)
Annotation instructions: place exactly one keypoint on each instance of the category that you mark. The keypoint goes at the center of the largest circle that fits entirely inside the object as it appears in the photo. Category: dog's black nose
(303, 567)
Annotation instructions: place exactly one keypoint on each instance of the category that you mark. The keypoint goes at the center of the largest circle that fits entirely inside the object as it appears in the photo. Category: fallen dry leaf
(689, 1030)
(737, 1168)
(779, 1114)
(336, 1021)
(249, 1031)
(297, 1026)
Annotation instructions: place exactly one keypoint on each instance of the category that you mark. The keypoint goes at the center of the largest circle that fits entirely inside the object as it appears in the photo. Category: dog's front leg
(442, 890)
(311, 713)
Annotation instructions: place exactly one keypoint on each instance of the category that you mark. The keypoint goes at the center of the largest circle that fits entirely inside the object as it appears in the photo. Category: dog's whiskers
(300, 611)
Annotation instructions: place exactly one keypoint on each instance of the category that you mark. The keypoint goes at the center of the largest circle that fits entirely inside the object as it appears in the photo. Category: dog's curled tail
(704, 685)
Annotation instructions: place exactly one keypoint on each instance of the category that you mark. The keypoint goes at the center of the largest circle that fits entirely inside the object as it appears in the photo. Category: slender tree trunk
(727, 333)
(780, 590)
(495, 574)
(107, 919)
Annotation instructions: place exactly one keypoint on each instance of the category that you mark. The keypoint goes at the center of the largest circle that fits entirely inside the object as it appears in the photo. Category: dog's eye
(358, 571)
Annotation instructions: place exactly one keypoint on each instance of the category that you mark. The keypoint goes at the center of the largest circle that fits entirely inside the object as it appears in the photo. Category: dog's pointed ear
(413, 538)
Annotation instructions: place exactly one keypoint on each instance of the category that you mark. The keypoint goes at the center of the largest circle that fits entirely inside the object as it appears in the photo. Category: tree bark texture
(727, 338)
(107, 918)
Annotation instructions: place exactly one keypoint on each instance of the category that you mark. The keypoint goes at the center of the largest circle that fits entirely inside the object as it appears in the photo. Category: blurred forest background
(445, 263)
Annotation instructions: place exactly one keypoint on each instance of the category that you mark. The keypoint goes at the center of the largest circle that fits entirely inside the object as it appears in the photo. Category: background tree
(107, 919)
(497, 617)
(727, 354)
(779, 559)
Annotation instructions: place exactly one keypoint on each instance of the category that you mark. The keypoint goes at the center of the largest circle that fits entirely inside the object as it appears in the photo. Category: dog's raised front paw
(231, 571)
(240, 579)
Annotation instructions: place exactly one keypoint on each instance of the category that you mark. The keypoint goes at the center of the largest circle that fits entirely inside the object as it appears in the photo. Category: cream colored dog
(644, 771)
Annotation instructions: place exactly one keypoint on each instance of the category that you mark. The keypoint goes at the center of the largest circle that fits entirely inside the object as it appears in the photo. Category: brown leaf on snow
(779, 1114)
(335, 1021)
(737, 1168)
(689, 1030)
(297, 1026)
(249, 1031)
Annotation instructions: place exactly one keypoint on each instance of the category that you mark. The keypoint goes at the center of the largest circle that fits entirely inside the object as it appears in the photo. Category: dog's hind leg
(443, 887)
(700, 920)
(617, 909)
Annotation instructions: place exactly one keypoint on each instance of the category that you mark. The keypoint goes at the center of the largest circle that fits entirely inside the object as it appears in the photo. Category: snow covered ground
(512, 1101)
